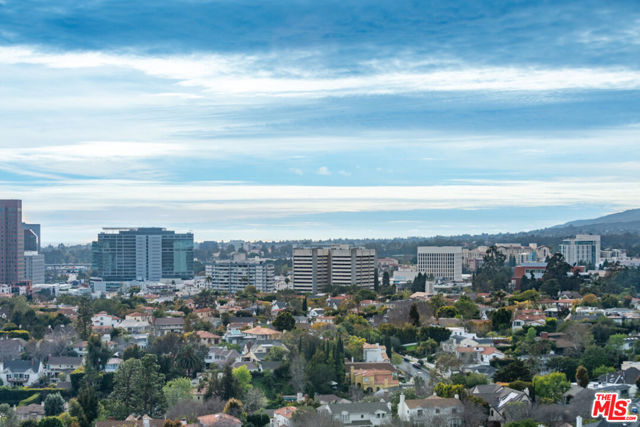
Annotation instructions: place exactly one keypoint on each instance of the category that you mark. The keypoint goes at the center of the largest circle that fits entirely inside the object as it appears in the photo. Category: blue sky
(306, 119)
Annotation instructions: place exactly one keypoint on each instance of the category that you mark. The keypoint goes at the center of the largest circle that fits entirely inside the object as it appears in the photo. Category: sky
(306, 119)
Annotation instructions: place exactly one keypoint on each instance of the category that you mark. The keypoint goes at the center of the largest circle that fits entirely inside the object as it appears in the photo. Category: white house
(23, 373)
(282, 416)
(104, 319)
(433, 410)
(359, 413)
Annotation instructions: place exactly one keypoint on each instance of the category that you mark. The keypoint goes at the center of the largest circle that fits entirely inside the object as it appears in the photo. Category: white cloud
(323, 170)
(344, 173)
(263, 76)
(296, 171)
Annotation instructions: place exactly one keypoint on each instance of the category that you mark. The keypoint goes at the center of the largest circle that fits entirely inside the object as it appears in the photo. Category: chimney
(544, 335)
(145, 421)
(456, 396)
(401, 399)
(578, 421)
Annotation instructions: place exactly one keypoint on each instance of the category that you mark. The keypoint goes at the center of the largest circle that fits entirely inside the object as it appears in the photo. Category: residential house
(261, 334)
(431, 411)
(373, 380)
(165, 325)
(359, 413)
(478, 355)
(80, 348)
(219, 420)
(104, 319)
(133, 326)
(21, 372)
(207, 338)
(132, 421)
(220, 356)
(524, 318)
(498, 397)
(374, 353)
(282, 416)
(258, 352)
(11, 348)
(62, 364)
(33, 411)
(139, 317)
(112, 364)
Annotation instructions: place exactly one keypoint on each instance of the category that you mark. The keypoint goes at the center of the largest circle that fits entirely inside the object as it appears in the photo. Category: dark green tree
(83, 322)
(414, 316)
(582, 376)
(284, 321)
(50, 422)
(53, 404)
(98, 353)
(515, 370)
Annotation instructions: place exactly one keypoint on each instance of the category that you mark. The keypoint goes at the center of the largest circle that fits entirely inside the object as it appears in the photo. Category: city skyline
(261, 122)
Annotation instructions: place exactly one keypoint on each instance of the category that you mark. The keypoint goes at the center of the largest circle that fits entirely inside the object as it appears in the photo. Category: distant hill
(622, 222)
(631, 215)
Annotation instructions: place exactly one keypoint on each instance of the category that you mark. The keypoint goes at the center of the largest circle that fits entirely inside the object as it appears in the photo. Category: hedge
(17, 333)
(35, 398)
(14, 396)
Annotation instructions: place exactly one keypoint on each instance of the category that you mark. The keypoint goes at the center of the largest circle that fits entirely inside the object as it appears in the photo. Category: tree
(234, 407)
(254, 400)
(284, 321)
(138, 387)
(190, 358)
(305, 306)
(551, 387)
(386, 281)
(50, 422)
(149, 394)
(88, 405)
(176, 390)
(467, 308)
(98, 353)
(376, 280)
(124, 394)
(8, 416)
(242, 375)
(133, 351)
(449, 390)
(53, 404)
(492, 275)
(582, 376)
(447, 311)
(414, 316)
(83, 321)
(514, 370)
(501, 319)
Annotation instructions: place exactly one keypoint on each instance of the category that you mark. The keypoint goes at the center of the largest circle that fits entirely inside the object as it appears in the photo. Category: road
(408, 369)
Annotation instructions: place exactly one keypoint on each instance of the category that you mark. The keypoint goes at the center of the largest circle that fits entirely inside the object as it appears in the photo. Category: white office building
(235, 275)
(584, 249)
(341, 265)
(441, 262)
(34, 267)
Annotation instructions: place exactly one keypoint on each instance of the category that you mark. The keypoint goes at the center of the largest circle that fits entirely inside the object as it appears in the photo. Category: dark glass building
(11, 242)
(124, 254)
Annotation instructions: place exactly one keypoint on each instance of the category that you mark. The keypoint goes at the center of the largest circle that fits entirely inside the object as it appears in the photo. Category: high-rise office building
(584, 249)
(32, 239)
(34, 267)
(235, 275)
(11, 242)
(441, 262)
(147, 254)
(315, 268)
